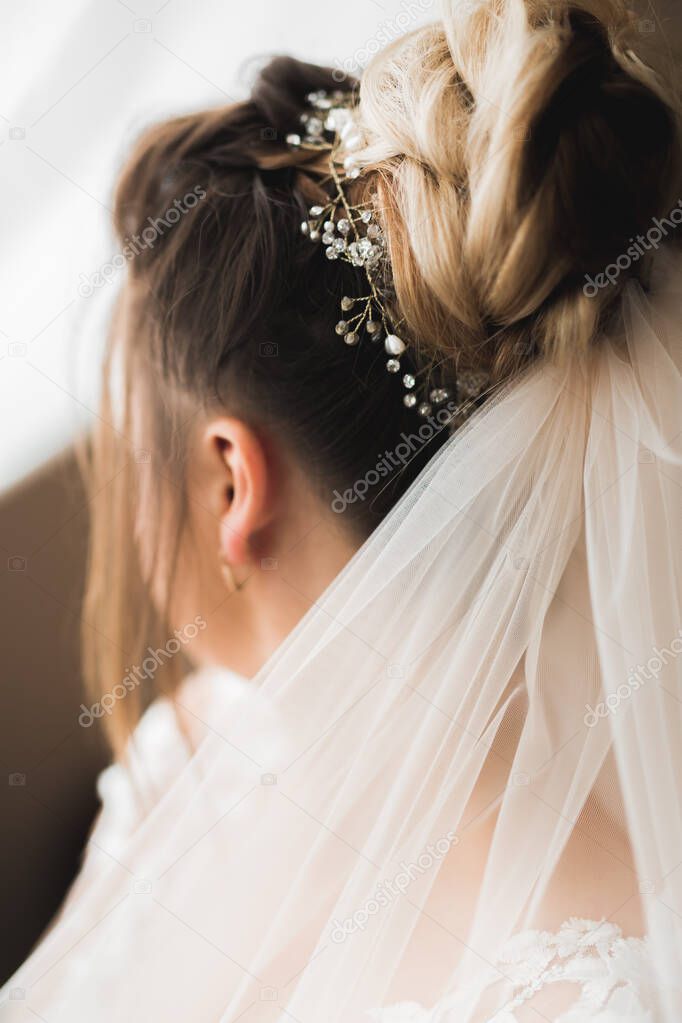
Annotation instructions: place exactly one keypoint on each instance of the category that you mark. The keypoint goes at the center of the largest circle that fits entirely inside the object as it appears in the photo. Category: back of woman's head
(233, 306)
(511, 152)
(228, 309)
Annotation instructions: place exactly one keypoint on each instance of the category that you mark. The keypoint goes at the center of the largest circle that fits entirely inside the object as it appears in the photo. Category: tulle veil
(489, 694)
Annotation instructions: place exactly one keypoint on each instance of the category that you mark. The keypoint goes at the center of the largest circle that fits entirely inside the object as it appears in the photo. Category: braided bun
(518, 147)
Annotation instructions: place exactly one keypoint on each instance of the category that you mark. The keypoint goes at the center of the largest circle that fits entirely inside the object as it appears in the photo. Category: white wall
(78, 79)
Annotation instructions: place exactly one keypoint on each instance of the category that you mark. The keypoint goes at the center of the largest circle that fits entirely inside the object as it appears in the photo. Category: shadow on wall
(48, 763)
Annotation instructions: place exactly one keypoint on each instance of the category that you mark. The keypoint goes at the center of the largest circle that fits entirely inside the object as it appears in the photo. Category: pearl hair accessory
(352, 233)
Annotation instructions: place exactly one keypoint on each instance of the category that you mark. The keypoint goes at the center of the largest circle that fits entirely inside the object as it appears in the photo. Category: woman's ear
(242, 487)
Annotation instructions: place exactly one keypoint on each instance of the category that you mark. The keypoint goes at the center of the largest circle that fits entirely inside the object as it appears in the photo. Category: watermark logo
(387, 891)
(637, 678)
(141, 886)
(147, 238)
(141, 673)
(389, 29)
(638, 248)
(392, 461)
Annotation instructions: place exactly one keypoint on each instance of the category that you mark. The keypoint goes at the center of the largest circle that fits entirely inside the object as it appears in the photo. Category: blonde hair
(517, 146)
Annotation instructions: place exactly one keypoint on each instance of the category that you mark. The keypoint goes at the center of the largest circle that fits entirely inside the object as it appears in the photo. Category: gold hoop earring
(229, 577)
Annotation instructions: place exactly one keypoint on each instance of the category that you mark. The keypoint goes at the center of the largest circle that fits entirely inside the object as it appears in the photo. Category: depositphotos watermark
(642, 244)
(146, 239)
(637, 677)
(141, 673)
(389, 29)
(387, 891)
(398, 458)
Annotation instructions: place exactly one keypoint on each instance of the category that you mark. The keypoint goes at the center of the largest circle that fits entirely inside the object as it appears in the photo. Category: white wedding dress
(607, 974)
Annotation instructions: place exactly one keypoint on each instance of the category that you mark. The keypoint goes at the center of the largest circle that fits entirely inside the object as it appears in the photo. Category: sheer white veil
(476, 731)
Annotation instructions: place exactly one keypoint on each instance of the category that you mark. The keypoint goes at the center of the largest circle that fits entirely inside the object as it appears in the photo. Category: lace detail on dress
(611, 974)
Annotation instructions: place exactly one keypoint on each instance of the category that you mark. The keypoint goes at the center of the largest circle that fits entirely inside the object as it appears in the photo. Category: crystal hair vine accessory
(352, 233)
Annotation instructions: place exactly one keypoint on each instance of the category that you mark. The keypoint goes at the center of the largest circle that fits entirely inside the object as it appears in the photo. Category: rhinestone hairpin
(353, 234)
(327, 118)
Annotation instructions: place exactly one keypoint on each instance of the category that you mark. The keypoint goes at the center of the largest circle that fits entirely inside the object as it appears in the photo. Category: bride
(392, 431)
